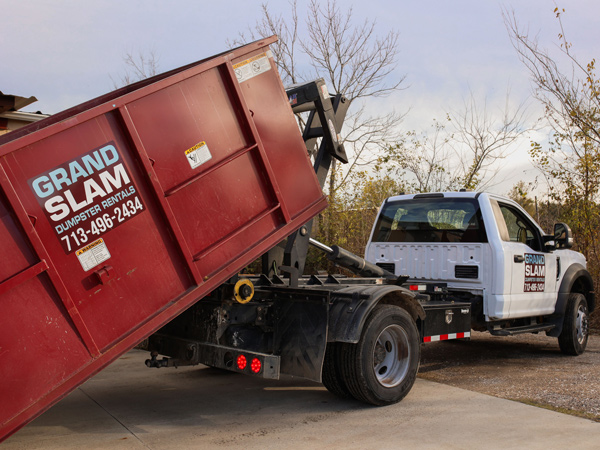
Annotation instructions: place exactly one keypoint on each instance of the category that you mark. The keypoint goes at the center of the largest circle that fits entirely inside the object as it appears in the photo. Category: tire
(382, 367)
(332, 377)
(574, 336)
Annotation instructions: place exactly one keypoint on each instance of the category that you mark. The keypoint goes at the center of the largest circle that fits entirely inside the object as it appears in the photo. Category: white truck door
(532, 271)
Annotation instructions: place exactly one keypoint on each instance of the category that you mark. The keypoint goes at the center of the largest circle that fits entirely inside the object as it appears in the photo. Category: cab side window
(519, 228)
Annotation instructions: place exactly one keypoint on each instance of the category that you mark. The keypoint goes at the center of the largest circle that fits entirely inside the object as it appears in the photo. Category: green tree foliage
(518, 193)
(545, 211)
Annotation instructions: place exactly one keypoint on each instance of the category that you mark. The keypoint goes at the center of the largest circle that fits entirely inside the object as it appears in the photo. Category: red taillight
(255, 365)
(241, 362)
(414, 287)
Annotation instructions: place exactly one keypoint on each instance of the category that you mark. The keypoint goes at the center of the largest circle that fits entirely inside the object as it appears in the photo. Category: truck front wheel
(382, 367)
(574, 336)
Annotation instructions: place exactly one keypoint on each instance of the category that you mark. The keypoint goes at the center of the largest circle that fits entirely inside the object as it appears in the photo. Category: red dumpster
(118, 214)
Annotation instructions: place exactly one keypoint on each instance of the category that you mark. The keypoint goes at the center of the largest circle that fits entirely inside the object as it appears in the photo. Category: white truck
(490, 253)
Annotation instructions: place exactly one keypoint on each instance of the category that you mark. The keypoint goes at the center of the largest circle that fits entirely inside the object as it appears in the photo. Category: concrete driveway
(129, 406)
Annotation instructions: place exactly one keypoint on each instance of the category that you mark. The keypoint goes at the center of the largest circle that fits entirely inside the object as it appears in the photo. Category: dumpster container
(120, 213)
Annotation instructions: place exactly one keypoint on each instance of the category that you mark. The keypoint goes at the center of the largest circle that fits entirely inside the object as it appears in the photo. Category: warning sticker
(198, 154)
(252, 67)
(93, 254)
(535, 272)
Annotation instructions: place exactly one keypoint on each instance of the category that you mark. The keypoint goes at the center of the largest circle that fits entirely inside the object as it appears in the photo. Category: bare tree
(137, 67)
(421, 159)
(569, 91)
(570, 95)
(354, 61)
(463, 152)
(481, 139)
(358, 63)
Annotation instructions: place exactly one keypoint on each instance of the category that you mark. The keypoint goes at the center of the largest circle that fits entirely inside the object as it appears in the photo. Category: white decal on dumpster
(252, 67)
(88, 196)
(93, 254)
(198, 154)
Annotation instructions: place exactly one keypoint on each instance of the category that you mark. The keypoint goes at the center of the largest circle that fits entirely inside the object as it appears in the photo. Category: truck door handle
(519, 258)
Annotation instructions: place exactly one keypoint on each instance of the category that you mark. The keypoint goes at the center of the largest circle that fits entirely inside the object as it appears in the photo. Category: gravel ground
(527, 368)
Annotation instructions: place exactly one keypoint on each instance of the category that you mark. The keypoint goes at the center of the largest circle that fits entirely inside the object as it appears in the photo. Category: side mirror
(563, 237)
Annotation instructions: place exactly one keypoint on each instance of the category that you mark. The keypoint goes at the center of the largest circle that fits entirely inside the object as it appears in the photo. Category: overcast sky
(65, 51)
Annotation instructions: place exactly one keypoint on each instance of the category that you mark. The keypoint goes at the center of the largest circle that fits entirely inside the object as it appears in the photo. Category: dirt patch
(527, 368)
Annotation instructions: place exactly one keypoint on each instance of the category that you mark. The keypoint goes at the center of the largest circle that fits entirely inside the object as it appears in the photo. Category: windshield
(430, 220)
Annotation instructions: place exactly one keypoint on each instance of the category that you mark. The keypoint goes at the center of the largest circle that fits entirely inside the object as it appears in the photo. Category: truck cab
(488, 249)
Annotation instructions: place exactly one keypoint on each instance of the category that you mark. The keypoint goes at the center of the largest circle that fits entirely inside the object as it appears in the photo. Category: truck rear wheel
(382, 367)
(332, 376)
(574, 336)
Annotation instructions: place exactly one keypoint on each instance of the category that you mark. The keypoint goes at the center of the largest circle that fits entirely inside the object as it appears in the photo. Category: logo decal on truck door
(87, 197)
(535, 272)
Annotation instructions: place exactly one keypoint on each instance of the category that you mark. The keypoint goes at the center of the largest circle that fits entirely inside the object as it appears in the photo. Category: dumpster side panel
(226, 191)
(120, 214)
(271, 118)
(139, 249)
(36, 354)
(198, 109)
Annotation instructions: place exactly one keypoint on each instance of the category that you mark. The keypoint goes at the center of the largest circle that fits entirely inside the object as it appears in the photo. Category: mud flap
(300, 334)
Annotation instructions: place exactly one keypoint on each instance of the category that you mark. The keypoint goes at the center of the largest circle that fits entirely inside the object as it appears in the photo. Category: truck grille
(466, 271)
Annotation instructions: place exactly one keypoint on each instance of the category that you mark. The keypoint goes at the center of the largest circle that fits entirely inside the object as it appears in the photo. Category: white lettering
(92, 190)
(116, 181)
(63, 205)
(73, 203)
(55, 205)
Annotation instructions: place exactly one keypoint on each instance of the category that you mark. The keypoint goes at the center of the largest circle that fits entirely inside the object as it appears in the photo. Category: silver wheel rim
(391, 356)
(581, 324)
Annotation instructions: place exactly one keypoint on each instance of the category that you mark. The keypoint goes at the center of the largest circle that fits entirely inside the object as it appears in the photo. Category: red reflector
(241, 362)
(414, 287)
(255, 365)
